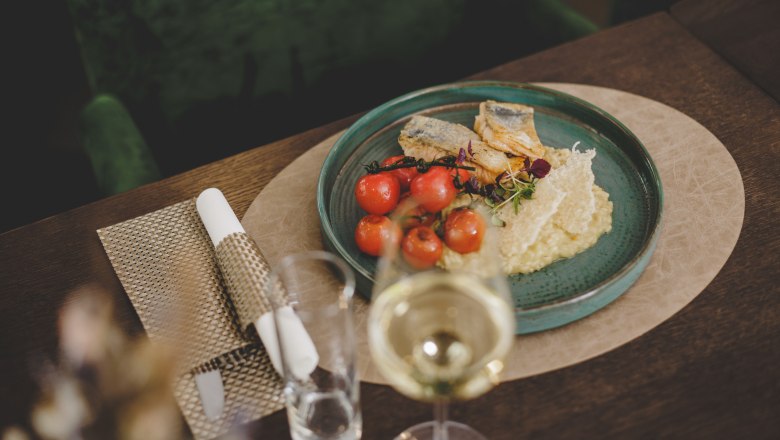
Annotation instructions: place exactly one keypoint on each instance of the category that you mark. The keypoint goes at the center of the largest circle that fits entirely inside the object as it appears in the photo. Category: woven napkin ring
(246, 273)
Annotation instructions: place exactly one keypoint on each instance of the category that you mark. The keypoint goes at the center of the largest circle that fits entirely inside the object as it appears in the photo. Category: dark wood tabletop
(744, 32)
(711, 371)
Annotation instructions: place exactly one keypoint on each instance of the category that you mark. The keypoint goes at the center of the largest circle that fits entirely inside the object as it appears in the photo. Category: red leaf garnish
(539, 168)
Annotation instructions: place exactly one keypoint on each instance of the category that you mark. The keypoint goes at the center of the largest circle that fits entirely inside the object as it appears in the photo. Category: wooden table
(711, 371)
(744, 32)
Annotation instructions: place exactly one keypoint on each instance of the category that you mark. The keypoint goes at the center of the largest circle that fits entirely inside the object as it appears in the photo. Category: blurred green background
(107, 95)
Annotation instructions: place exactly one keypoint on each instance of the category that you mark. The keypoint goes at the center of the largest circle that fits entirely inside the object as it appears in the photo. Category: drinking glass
(317, 289)
(438, 335)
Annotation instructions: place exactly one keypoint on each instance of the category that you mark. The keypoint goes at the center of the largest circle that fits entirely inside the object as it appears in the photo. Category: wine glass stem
(439, 417)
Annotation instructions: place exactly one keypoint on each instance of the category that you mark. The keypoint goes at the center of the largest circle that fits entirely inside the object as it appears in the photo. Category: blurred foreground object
(105, 385)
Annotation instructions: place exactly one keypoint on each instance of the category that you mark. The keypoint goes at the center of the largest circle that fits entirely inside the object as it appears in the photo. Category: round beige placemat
(704, 206)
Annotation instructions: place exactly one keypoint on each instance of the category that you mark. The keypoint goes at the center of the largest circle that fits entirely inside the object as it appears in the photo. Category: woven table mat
(701, 223)
(167, 266)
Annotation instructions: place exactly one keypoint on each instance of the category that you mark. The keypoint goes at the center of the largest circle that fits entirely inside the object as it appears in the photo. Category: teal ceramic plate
(566, 290)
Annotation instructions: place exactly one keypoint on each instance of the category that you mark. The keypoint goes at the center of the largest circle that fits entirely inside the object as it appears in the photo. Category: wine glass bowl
(440, 335)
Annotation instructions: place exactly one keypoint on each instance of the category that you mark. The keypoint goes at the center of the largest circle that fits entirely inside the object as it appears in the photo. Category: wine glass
(311, 294)
(441, 334)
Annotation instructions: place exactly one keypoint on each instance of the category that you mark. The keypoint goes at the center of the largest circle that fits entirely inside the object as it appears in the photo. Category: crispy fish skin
(509, 127)
(428, 138)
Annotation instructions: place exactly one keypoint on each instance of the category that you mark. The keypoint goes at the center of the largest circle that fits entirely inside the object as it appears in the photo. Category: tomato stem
(421, 165)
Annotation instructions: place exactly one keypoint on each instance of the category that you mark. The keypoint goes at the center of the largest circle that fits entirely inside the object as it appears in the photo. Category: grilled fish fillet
(509, 127)
(428, 138)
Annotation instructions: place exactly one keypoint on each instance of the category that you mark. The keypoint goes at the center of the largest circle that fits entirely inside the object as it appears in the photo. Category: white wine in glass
(440, 335)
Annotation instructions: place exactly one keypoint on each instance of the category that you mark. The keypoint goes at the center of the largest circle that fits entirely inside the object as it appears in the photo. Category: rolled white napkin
(301, 355)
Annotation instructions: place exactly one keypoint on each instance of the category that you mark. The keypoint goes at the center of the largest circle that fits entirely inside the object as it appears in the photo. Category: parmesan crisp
(581, 213)
(517, 236)
(575, 179)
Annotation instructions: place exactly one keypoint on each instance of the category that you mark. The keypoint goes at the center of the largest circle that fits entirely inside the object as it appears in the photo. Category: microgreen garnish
(511, 186)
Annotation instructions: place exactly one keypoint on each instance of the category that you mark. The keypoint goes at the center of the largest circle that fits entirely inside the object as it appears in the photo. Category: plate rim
(646, 250)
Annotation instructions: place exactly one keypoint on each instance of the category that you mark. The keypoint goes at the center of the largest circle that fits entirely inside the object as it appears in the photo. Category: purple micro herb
(472, 185)
(490, 192)
(471, 152)
(461, 156)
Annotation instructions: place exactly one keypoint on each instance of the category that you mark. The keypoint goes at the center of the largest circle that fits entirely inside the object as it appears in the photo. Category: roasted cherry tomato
(415, 215)
(377, 193)
(464, 230)
(373, 230)
(434, 190)
(421, 247)
(462, 175)
(404, 175)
